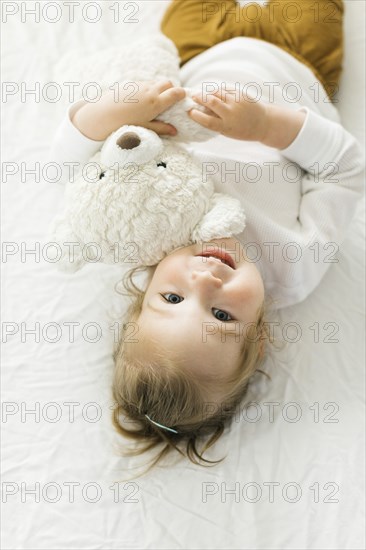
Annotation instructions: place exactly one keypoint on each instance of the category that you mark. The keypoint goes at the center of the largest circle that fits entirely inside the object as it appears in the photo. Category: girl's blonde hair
(172, 396)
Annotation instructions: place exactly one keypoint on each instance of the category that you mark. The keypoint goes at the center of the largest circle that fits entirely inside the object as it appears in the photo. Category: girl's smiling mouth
(221, 255)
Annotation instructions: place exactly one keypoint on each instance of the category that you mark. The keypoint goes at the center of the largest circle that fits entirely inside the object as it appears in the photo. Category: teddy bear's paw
(70, 251)
(152, 58)
(226, 218)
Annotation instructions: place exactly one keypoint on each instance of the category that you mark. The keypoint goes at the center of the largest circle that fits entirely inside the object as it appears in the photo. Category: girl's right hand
(135, 103)
(249, 120)
(238, 118)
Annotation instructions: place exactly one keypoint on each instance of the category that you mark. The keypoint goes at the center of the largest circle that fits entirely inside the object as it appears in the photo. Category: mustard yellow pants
(310, 30)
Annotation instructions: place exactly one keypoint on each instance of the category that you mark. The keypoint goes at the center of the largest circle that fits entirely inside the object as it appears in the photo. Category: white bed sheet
(168, 508)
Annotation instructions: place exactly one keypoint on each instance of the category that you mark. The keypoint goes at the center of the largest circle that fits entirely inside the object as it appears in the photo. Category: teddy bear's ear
(70, 250)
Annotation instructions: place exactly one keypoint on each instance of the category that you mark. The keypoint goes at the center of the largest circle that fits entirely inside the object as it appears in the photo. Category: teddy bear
(143, 195)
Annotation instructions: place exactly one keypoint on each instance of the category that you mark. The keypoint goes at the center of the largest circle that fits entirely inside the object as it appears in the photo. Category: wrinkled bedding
(293, 474)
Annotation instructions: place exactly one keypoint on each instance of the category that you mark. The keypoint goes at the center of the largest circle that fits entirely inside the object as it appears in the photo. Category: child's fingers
(213, 103)
(211, 122)
(161, 128)
(169, 97)
(162, 85)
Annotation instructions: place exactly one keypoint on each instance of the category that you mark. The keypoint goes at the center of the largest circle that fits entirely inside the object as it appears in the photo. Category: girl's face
(198, 308)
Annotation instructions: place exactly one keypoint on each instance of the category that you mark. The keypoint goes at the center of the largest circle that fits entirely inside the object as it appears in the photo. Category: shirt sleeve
(70, 149)
(331, 188)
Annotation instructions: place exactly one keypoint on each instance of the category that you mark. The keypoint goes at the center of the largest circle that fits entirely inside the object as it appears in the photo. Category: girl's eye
(221, 315)
(218, 313)
(163, 164)
(175, 299)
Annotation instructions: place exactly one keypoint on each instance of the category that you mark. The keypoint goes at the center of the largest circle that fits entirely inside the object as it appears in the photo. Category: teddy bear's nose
(130, 140)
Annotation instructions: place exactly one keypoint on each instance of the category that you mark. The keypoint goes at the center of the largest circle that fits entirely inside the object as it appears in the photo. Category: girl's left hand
(147, 100)
(238, 118)
(138, 104)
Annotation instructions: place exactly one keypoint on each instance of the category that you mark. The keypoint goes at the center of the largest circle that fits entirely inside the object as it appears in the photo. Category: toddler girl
(267, 76)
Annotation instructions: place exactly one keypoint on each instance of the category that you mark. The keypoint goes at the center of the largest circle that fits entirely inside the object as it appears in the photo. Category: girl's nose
(205, 280)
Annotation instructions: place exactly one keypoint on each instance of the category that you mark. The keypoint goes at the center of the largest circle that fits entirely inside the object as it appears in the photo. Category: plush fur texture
(143, 196)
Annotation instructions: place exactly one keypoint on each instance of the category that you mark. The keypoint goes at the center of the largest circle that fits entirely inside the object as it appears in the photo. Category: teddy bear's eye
(102, 175)
(161, 164)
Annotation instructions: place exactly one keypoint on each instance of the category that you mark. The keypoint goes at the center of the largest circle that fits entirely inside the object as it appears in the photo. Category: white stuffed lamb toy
(146, 196)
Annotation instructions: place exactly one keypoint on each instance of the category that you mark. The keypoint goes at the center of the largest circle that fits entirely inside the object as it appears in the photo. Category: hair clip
(161, 425)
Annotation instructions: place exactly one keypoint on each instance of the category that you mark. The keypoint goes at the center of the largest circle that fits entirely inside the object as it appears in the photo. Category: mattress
(293, 473)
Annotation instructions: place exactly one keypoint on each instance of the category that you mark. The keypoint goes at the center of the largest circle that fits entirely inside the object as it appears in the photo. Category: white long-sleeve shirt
(299, 201)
